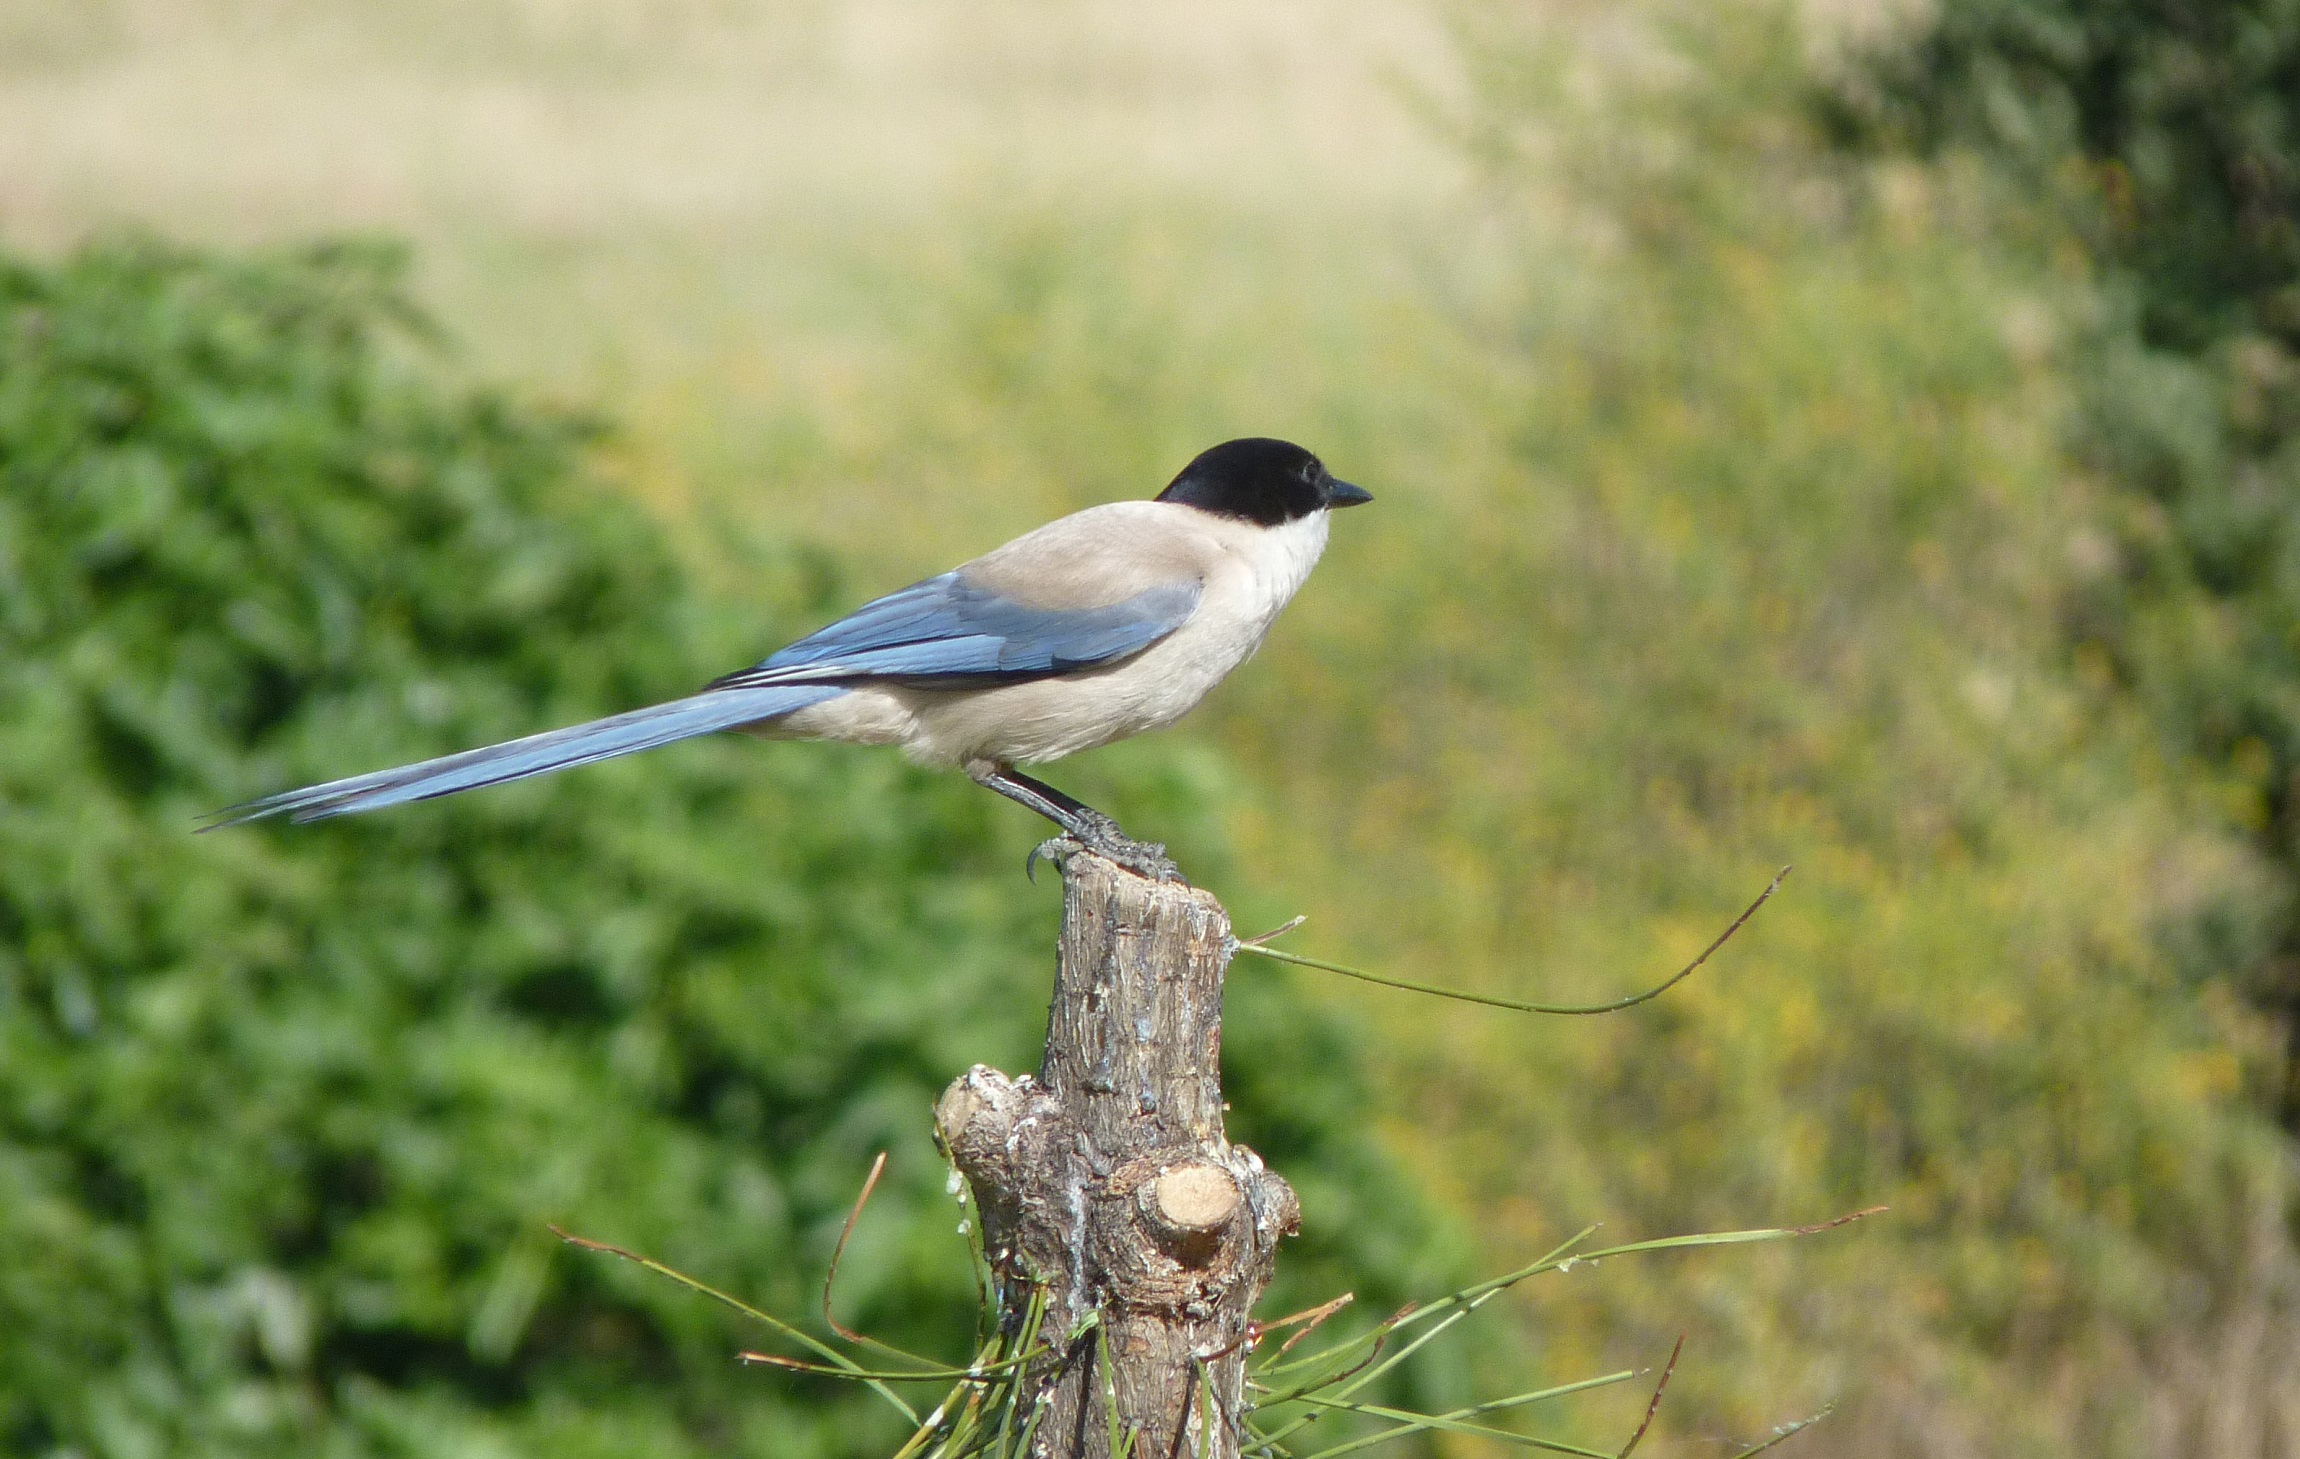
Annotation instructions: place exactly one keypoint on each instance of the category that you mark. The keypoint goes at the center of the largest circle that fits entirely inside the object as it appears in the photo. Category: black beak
(1340, 493)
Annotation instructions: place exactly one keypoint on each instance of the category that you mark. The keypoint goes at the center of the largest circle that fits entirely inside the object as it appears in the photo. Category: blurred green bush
(2164, 139)
(283, 1111)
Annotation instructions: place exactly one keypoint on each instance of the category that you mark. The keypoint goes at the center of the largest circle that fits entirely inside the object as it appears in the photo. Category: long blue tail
(601, 739)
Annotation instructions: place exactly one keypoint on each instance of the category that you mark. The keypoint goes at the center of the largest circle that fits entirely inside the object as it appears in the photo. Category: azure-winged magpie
(1100, 625)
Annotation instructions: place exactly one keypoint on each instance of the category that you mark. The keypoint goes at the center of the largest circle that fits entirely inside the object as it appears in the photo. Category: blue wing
(947, 631)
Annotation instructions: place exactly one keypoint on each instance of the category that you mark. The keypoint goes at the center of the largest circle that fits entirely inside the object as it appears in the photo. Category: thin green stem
(1569, 1010)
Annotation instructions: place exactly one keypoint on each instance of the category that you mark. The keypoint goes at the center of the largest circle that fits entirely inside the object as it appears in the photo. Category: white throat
(1282, 556)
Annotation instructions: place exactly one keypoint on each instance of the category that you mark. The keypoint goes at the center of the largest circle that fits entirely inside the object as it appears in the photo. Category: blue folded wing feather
(949, 631)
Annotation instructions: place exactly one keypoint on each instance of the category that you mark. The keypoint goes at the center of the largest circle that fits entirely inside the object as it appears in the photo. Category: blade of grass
(971, 1234)
(1381, 1338)
(1119, 1442)
(830, 1278)
(1316, 1317)
(1030, 1424)
(931, 1375)
(1348, 1383)
(1276, 932)
(1410, 1422)
(838, 1252)
(1026, 1338)
(1414, 1313)
(820, 1349)
(1653, 1406)
(1491, 1405)
(968, 1423)
(1730, 1238)
(1256, 1331)
(934, 1420)
(1786, 1431)
(1351, 1380)
(1663, 1243)
(1460, 1305)
(1210, 1411)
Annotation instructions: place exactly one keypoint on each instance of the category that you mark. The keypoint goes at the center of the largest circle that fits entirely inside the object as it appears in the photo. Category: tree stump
(1107, 1181)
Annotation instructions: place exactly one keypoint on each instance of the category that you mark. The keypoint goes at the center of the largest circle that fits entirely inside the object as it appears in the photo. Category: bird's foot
(1144, 858)
(1100, 834)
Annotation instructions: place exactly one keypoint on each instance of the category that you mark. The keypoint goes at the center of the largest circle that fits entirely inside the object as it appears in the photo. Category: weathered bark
(1107, 1180)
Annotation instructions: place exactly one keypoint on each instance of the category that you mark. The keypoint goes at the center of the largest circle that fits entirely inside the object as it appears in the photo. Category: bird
(1099, 625)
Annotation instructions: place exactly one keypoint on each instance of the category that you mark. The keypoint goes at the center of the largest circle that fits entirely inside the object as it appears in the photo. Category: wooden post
(1107, 1180)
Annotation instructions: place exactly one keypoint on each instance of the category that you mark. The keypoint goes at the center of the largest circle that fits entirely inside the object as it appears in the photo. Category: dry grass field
(694, 208)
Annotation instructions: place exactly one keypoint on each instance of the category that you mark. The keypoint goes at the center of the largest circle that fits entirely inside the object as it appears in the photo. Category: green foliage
(2185, 118)
(283, 1111)
(2168, 138)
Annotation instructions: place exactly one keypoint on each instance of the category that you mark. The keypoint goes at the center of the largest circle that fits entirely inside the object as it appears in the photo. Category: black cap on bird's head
(1260, 480)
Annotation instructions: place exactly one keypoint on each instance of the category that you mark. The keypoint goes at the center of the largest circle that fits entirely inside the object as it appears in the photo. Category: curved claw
(1052, 850)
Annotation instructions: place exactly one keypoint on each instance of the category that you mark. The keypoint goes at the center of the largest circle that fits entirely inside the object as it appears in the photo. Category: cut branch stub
(1189, 1209)
(1107, 1180)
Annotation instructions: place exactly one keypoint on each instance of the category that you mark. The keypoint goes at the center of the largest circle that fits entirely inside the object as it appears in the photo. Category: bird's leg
(1081, 822)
